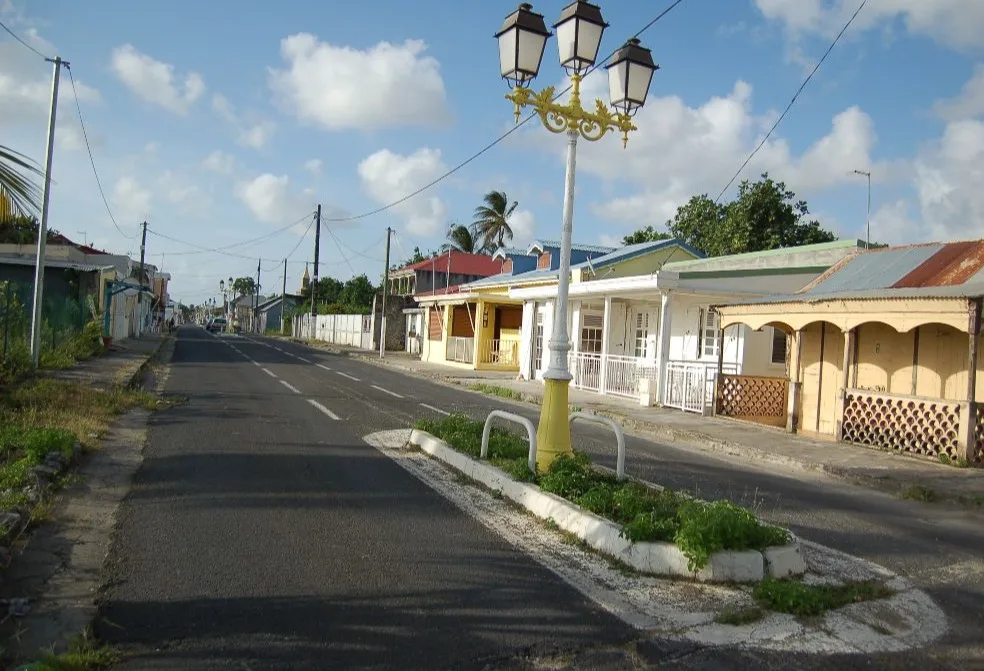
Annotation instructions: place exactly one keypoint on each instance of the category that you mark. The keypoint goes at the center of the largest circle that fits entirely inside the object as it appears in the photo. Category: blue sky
(220, 122)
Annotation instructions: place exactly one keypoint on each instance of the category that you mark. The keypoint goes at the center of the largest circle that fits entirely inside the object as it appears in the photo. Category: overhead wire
(252, 240)
(496, 141)
(17, 37)
(792, 100)
(344, 258)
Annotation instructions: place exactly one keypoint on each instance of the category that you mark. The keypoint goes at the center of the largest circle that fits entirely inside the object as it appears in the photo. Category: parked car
(217, 325)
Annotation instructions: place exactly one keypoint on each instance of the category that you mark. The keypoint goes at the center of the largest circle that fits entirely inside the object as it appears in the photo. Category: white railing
(504, 353)
(526, 424)
(622, 374)
(586, 371)
(461, 349)
(690, 386)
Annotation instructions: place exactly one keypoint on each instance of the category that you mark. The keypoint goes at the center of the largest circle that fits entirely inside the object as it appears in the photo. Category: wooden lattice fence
(908, 424)
(753, 398)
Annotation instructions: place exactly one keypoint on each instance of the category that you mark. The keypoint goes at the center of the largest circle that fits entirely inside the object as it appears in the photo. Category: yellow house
(883, 352)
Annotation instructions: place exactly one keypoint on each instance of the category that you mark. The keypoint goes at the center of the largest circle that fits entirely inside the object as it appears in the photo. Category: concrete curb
(606, 537)
(134, 379)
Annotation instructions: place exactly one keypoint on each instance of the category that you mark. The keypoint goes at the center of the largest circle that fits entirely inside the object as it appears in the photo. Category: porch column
(663, 344)
(606, 326)
(967, 438)
(575, 341)
(795, 382)
(477, 333)
(844, 383)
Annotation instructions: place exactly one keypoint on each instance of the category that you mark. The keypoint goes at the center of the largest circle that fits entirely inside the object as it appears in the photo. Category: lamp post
(867, 218)
(522, 40)
(222, 288)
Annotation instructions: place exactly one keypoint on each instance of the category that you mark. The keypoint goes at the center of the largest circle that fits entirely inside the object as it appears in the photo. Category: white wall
(684, 328)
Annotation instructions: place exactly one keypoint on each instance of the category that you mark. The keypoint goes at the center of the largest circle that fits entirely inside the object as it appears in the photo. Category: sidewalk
(893, 473)
(119, 365)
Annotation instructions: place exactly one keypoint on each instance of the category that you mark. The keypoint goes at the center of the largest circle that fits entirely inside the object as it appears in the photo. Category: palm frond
(18, 193)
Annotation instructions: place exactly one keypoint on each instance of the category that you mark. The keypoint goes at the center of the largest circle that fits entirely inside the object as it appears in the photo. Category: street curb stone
(606, 536)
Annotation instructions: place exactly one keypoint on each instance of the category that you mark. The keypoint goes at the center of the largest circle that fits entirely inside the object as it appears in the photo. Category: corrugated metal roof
(52, 263)
(875, 269)
(955, 264)
(555, 244)
(638, 249)
(970, 290)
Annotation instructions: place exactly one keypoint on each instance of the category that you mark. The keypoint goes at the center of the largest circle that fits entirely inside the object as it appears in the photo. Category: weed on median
(84, 654)
(798, 598)
(698, 528)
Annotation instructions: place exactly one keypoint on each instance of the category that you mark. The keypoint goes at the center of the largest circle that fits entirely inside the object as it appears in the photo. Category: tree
(329, 290)
(765, 215)
(462, 239)
(417, 257)
(358, 291)
(491, 226)
(244, 286)
(19, 196)
(647, 234)
(22, 230)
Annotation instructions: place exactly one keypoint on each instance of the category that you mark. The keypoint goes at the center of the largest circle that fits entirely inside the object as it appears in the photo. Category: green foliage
(699, 528)
(244, 286)
(358, 291)
(797, 598)
(21, 230)
(462, 239)
(740, 617)
(84, 654)
(490, 227)
(495, 390)
(647, 234)
(19, 192)
(765, 215)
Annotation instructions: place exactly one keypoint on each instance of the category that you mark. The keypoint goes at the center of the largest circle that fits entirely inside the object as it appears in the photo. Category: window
(641, 332)
(538, 340)
(778, 346)
(591, 334)
(708, 334)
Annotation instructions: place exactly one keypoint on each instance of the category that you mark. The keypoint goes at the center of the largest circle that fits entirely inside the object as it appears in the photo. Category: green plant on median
(740, 616)
(797, 598)
(494, 390)
(918, 493)
(698, 528)
(84, 654)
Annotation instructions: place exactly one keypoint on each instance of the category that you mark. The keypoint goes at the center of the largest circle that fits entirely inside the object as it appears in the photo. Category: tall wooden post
(967, 439)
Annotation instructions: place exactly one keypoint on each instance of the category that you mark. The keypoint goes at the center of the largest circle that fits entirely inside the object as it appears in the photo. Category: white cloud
(969, 103)
(953, 23)
(220, 162)
(313, 166)
(131, 201)
(339, 87)
(523, 225)
(188, 197)
(680, 151)
(608, 240)
(251, 131)
(271, 200)
(387, 177)
(155, 81)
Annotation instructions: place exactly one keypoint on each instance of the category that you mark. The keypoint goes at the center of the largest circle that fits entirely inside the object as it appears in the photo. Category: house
(242, 312)
(448, 269)
(642, 324)
(273, 311)
(479, 325)
(884, 352)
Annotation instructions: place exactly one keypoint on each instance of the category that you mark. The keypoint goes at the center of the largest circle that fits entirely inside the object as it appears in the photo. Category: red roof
(443, 291)
(480, 265)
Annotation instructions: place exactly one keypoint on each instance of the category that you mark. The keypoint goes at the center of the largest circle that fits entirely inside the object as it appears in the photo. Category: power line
(298, 245)
(363, 253)
(207, 249)
(793, 100)
(16, 37)
(92, 162)
(246, 242)
(494, 142)
(344, 258)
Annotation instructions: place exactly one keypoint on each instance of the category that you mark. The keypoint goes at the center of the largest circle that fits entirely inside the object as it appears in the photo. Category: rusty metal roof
(953, 265)
(875, 269)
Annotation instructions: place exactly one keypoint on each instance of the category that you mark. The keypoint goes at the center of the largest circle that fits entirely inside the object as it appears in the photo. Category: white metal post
(560, 343)
(43, 228)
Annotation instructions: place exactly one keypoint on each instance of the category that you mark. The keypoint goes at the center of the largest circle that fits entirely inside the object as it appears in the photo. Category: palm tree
(491, 224)
(19, 196)
(462, 239)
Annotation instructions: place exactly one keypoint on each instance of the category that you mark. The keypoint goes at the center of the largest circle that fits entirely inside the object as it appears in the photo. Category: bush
(698, 528)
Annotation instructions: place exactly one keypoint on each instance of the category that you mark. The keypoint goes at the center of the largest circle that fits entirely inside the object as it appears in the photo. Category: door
(538, 331)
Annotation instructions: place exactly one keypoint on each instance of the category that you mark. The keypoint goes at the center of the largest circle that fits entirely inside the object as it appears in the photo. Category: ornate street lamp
(522, 39)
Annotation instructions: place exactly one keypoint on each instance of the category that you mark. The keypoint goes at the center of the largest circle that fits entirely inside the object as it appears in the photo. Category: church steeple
(306, 279)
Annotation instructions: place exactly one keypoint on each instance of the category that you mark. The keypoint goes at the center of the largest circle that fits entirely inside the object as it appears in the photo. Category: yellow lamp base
(553, 435)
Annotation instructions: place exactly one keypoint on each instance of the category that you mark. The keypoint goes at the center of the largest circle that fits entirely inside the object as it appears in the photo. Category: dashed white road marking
(386, 391)
(430, 407)
(300, 358)
(268, 372)
(323, 409)
(322, 366)
(290, 386)
(348, 376)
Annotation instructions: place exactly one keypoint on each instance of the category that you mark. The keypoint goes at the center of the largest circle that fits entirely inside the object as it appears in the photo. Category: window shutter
(700, 333)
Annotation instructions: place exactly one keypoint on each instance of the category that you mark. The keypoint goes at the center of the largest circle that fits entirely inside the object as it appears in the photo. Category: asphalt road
(261, 532)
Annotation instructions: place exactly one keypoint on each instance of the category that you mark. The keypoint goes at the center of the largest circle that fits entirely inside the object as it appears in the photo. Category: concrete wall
(395, 323)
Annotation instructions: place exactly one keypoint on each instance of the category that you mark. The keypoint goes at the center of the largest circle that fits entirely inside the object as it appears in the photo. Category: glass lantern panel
(617, 84)
(507, 53)
(639, 78)
(565, 40)
(588, 41)
(530, 52)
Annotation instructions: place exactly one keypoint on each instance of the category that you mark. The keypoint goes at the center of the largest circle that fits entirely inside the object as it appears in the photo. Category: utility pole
(867, 219)
(43, 228)
(283, 300)
(314, 283)
(256, 299)
(142, 274)
(382, 314)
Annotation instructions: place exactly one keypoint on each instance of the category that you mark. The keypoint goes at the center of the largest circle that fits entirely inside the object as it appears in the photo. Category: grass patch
(737, 617)
(698, 528)
(918, 493)
(800, 599)
(972, 500)
(84, 654)
(494, 390)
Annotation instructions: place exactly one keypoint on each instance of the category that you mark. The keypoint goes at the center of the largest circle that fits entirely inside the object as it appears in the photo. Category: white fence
(621, 373)
(690, 386)
(351, 330)
(460, 349)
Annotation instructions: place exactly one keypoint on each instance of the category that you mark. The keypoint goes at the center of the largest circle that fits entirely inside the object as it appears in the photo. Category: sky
(222, 122)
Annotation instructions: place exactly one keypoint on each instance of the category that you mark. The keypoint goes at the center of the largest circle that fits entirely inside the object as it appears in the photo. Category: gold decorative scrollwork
(559, 118)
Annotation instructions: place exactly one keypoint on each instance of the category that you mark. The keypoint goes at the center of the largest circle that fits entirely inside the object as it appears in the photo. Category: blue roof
(638, 249)
(876, 269)
(510, 251)
(555, 244)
